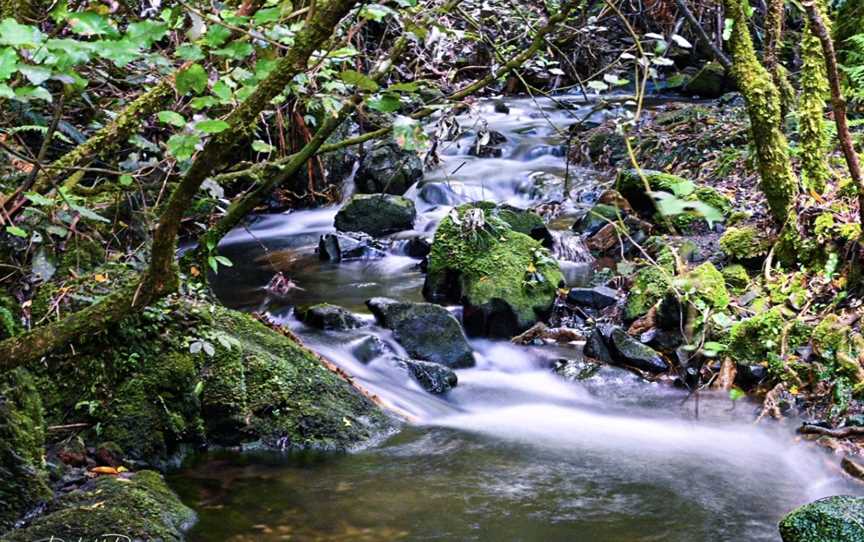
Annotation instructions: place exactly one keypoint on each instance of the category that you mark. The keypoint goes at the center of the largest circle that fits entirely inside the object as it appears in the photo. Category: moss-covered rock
(23, 481)
(705, 283)
(830, 336)
(632, 187)
(736, 277)
(189, 373)
(834, 519)
(504, 279)
(744, 243)
(139, 506)
(649, 286)
(80, 255)
(709, 82)
(758, 339)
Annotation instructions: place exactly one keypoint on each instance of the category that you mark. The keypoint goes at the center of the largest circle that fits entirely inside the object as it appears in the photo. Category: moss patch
(744, 243)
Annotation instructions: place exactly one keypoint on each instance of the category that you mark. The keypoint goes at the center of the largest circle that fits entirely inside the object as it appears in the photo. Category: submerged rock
(336, 247)
(376, 214)
(388, 169)
(628, 351)
(369, 348)
(504, 279)
(330, 317)
(426, 331)
(140, 506)
(834, 519)
(23, 480)
(596, 345)
(432, 377)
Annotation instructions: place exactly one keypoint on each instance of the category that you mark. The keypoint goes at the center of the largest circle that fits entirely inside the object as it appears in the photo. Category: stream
(514, 452)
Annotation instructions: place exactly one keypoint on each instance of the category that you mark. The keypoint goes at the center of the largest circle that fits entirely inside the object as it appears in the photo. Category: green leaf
(120, 52)
(203, 102)
(87, 213)
(363, 82)
(269, 15)
(35, 74)
(16, 231)
(19, 35)
(404, 87)
(736, 394)
(217, 35)
(192, 78)
(224, 261)
(182, 146)
(6, 91)
(172, 118)
(214, 265)
(237, 50)
(90, 24)
(146, 33)
(376, 12)
(126, 180)
(386, 103)
(189, 51)
(262, 146)
(8, 63)
(222, 91)
(26, 94)
(39, 200)
(212, 126)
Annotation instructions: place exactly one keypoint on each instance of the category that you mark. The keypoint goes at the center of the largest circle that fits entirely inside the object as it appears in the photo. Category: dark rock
(432, 377)
(330, 317)
(418, 247)
(628, 351)
(426, 331)
(834, 519)
(661, 339)
(749, 376)
(596, 345)
(336, 247)
(369, 348)
(598, 297)
(388, 169)
(709, 82)
(502, 107)
(597, 217)
(376, 214)
(439, 194)
(109, 454)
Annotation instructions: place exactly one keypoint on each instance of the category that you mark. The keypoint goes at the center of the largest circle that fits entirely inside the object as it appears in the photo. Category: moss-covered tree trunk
(814, 90)
(161, 277)
(778, 181)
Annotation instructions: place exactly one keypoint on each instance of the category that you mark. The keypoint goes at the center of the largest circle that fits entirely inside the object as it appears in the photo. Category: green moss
(737, 217)
(835, 519)
(811, 112)
(706, 284)
(23, 481)
(758, 338)
(744, 243)
(139, 506)
(496, 264)
(649, 286)
(81, 255)
(10, 323)
(736, 277)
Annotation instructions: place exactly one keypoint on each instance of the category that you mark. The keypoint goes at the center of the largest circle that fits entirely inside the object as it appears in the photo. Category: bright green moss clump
(758, 338)
(834, 519)
(649, 286)
(140, 506)
(744, 243)
(736, 277)
(492, 270)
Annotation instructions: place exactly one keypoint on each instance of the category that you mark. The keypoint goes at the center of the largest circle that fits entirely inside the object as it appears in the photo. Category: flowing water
(515, 452)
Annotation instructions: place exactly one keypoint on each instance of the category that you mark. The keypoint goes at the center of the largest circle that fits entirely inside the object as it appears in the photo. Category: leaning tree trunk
(160, 278)
(778, 181)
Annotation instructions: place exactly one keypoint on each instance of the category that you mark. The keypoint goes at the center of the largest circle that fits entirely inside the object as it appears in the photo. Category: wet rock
(661, 340)
(502, 107)
(418, 247)
(575, 369)
(598, 297)
(440, 194)
(376, 214)
(369, 348)
(109, 454)
(328, 317)
(628, 351)
(596, 345)
(525, 221)
(835, 519)
(709, 82)
(487, 144)
(749, 376)
(140, 505)
(432, 377)
(336, 247)
(426, 331)
(596, 218)
(505, 280)
(388, 169)
(543, 186)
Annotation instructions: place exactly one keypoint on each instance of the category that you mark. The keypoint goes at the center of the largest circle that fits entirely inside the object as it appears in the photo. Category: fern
(854, 68)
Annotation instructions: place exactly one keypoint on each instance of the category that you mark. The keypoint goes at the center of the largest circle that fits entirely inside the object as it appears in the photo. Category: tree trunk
(778, 181)
(811, 105)
(161, 277)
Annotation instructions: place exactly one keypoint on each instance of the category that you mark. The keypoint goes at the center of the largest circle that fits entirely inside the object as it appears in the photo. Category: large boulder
(504, 279)
(427, 332)
(138, 506)
(327, 316)
(186, 373)
(376, 214)
(834, 519)
(23, 480)
(388, 169)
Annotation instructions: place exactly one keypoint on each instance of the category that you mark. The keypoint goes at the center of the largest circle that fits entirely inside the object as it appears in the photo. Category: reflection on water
(514, 453)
